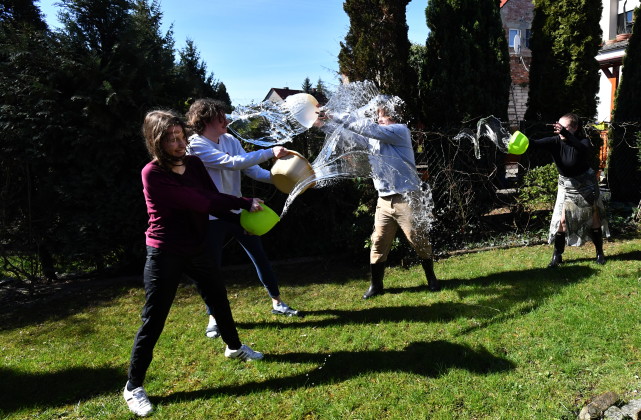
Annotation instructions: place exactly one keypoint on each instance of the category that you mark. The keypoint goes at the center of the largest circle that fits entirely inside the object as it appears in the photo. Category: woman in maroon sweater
(180, 195)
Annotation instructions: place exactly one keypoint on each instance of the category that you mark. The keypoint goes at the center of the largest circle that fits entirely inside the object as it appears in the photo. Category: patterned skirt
(578, 197)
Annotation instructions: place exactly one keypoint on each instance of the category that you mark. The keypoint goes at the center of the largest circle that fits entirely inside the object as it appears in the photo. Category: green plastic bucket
(518, 143)
(259, 222)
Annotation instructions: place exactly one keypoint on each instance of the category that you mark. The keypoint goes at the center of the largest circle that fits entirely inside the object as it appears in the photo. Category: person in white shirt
(225, 160)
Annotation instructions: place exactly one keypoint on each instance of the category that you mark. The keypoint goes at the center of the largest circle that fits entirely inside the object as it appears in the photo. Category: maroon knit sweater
(179, 205)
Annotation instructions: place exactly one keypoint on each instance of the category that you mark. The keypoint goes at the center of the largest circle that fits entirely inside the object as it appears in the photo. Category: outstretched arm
(167, 192)
(394, 134)
(214, 158)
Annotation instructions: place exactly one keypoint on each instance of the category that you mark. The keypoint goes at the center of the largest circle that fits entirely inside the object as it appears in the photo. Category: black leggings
(163, 271)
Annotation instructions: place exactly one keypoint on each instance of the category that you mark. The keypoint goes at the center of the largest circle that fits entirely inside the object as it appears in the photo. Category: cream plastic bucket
(289, 170)
(303, 107)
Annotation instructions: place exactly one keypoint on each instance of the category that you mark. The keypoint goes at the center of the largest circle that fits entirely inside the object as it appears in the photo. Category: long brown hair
(154, 129)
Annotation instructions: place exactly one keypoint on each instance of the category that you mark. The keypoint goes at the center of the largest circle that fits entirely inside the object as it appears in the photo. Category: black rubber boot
(432, 282)
(376, 286)
(597, 238)
(559, 247)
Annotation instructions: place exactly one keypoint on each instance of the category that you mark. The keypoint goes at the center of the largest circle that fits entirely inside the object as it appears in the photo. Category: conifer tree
(29, 68)
(466, 72)
(624, 169)
(417, 59)
(194, 79)
(221, 93)
(117, 66)
(72, 106)
(627, 106)
(154, 52)
(107, 89)
(321, 88)
(307, 85)
(376, 46)
(564, 73)
(20, 13)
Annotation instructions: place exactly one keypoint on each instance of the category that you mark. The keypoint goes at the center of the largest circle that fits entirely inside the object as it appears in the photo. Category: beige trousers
(393, 212)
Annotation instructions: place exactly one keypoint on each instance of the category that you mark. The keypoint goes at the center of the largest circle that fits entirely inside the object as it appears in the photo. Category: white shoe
(281, 308)
(138, 401)
(212, 330)
(243, 353)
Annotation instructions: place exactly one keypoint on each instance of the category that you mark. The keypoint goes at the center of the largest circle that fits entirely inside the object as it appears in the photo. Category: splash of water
(346, 154)
(268, 123)
(360, 164)
(488, 127)
(362, 100)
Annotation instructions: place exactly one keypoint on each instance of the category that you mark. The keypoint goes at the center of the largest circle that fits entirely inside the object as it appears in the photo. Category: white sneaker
(281, 308)
(138, 401)
(212, 330)
(243, 353)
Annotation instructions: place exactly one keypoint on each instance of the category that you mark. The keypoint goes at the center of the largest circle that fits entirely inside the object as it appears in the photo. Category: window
(517, 41)
(513, 34)
(624, 22)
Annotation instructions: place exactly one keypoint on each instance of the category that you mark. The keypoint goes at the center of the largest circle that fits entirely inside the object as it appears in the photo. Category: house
(517, 16)
(616, 24)
(279, 94)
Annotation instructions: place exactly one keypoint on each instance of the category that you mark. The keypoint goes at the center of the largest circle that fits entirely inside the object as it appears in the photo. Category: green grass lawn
(507, 338)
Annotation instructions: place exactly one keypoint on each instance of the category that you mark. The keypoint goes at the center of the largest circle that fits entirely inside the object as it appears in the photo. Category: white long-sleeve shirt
(227, 160)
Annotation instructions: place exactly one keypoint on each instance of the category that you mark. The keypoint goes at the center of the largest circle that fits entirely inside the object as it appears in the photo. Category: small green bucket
(518, 143)
(259, 222)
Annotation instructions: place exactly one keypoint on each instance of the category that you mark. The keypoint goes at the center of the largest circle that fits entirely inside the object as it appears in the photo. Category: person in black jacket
(579, 213)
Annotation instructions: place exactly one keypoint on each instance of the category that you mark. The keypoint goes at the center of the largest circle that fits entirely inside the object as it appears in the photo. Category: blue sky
(254, 45)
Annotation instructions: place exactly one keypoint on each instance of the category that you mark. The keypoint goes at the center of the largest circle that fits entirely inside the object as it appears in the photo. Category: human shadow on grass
(429, 359)
(626, 256)
(330, 271)
(19, 389)
(538, 280)
(436, 312)
(502, 296)
(528, 293)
